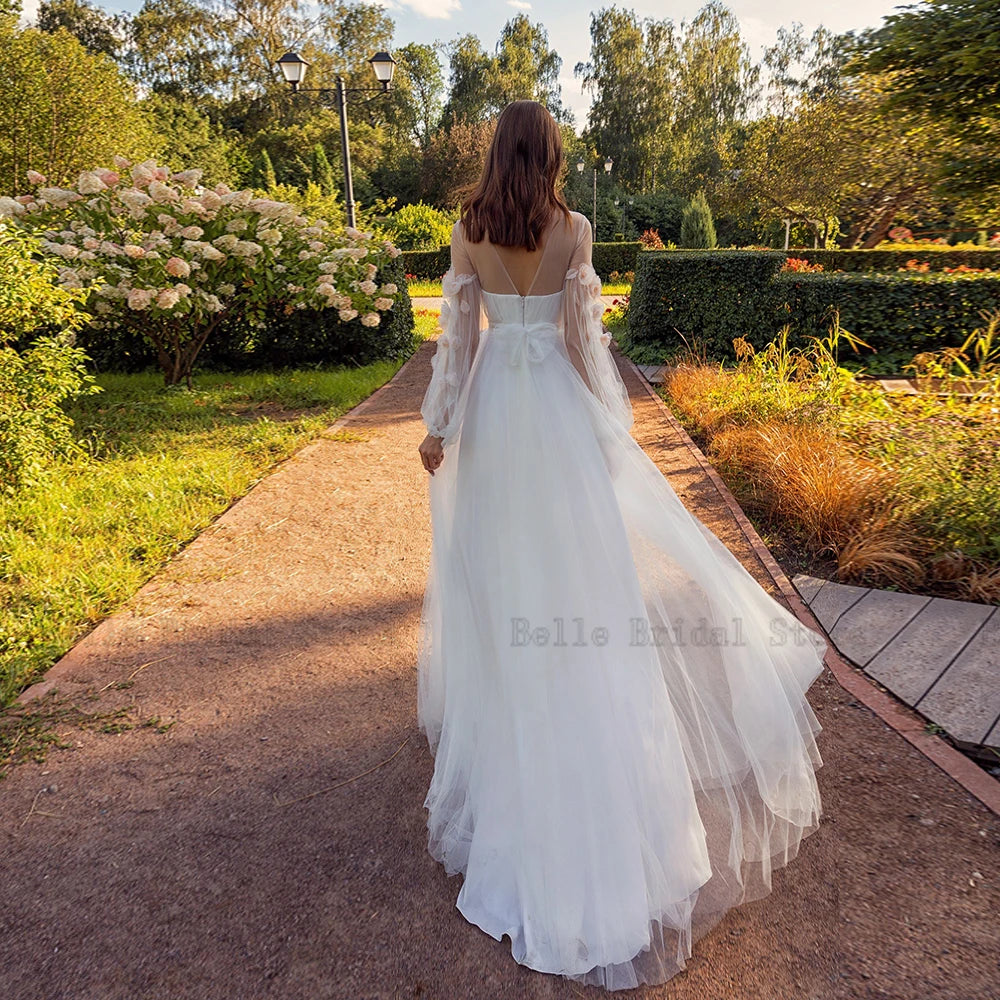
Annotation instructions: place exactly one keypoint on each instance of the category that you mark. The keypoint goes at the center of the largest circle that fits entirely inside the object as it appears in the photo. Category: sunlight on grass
(160, 465)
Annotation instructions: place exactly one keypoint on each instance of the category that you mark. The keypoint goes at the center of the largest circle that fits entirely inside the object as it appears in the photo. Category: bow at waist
(532, 342)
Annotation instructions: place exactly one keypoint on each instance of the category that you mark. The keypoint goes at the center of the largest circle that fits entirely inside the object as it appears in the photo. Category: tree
(321, 171)
(454, 161)
(944, 55)
(525, 68)
(188, 135)
(630, 73)
(417, 92)
(177, 47)
(697, 228)
(264, 175)
(469, 65)
(97, 31)
(848, 156)
(63, 109)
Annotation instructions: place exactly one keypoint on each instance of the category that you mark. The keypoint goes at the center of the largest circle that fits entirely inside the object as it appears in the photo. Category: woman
(623, 745)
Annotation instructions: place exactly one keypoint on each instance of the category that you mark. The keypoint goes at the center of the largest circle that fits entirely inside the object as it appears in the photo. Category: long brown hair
(516, 195)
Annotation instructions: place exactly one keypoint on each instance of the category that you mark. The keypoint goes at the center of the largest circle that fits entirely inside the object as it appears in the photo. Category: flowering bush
(650, 240)
(799, 266)
(170, 259)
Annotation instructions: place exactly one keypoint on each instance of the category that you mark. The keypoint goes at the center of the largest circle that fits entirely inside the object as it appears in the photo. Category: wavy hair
(516, 195)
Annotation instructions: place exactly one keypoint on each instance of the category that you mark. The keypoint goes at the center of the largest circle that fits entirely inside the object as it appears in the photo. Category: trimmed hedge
(716, 296)
(430, 265)
(891, 260)
(306, 337)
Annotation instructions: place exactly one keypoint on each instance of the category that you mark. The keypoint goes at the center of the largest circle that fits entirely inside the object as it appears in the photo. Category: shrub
(650, 240)
(420, 227)
(168, 261)
(697, 227)
(36, 380)
(717, 296)
(883, 259)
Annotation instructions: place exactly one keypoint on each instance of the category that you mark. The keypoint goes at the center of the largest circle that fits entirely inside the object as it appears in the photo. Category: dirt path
(215, 862)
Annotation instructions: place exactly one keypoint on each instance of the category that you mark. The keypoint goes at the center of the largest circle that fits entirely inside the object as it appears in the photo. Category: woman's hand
(431, 452)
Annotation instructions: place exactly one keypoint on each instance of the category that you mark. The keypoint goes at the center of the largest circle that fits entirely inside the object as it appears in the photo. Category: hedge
(305, 337)
(716, 296)
(430, 265)
(936, 258)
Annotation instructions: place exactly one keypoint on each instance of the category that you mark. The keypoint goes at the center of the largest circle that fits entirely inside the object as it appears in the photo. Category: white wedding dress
(611, 787)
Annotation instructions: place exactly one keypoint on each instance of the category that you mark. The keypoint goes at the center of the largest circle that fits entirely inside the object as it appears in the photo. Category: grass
(157, 465)
(896, 490)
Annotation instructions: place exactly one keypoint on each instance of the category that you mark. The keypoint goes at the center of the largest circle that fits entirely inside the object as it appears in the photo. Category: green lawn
(161, 464)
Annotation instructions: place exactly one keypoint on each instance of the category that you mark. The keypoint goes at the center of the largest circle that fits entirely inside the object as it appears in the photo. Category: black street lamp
(608, 163)
(293, 67)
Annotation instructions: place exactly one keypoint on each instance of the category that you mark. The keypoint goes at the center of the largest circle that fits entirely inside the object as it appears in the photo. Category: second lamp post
(607, 169)
(294, 67)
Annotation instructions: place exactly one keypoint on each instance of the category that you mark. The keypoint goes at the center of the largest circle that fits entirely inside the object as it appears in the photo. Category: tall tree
(97, 30)
(631, 68)
(469, 64)
(63, 109)
(525, 68)
(179, 47)
(945, 54)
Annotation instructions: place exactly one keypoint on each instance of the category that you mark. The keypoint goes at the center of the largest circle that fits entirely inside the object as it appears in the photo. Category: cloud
(433, 8)
(519, 4)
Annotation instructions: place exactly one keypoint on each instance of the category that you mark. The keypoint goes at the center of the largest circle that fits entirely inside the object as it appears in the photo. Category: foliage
(717, 296)
(697, 227)
(420, 227)
(665, 97)
(848, 154)
(98, 31)
(899, 489)
(523, 67)
(889, 258)
(35, 382)
(321, 171)
(62, 108)
(650, 240)
(169, 260)
(944, 54)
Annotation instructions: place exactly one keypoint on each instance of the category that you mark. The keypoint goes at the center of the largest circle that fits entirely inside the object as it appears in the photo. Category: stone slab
(807, 586)
(874, 621)
(966, 699)
(832, 600)
(925, 648)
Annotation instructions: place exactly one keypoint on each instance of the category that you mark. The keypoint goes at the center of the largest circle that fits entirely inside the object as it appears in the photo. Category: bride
(623, 749)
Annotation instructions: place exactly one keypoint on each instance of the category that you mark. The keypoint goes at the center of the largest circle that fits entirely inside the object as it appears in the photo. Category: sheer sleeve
(461, 322)
(587, 342)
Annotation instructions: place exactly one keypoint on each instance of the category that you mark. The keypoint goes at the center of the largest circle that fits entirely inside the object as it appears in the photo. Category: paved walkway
(272, 842)
(938, 656)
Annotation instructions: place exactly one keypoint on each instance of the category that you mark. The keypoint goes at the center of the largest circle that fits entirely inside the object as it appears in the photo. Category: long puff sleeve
(587, 343)
(461, 322)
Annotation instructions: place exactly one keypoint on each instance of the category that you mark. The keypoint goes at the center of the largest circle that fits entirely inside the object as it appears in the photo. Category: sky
(568, 24)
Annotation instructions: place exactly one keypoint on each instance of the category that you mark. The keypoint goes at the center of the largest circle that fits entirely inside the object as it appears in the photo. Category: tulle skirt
(617, 710)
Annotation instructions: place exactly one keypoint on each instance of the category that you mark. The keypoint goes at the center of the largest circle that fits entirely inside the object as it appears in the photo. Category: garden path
(272, 842)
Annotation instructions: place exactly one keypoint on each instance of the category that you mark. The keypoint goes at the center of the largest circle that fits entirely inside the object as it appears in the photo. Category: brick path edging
(904, 720)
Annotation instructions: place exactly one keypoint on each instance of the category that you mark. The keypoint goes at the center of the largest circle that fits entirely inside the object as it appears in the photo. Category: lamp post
(293, 67)
(607, 169)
